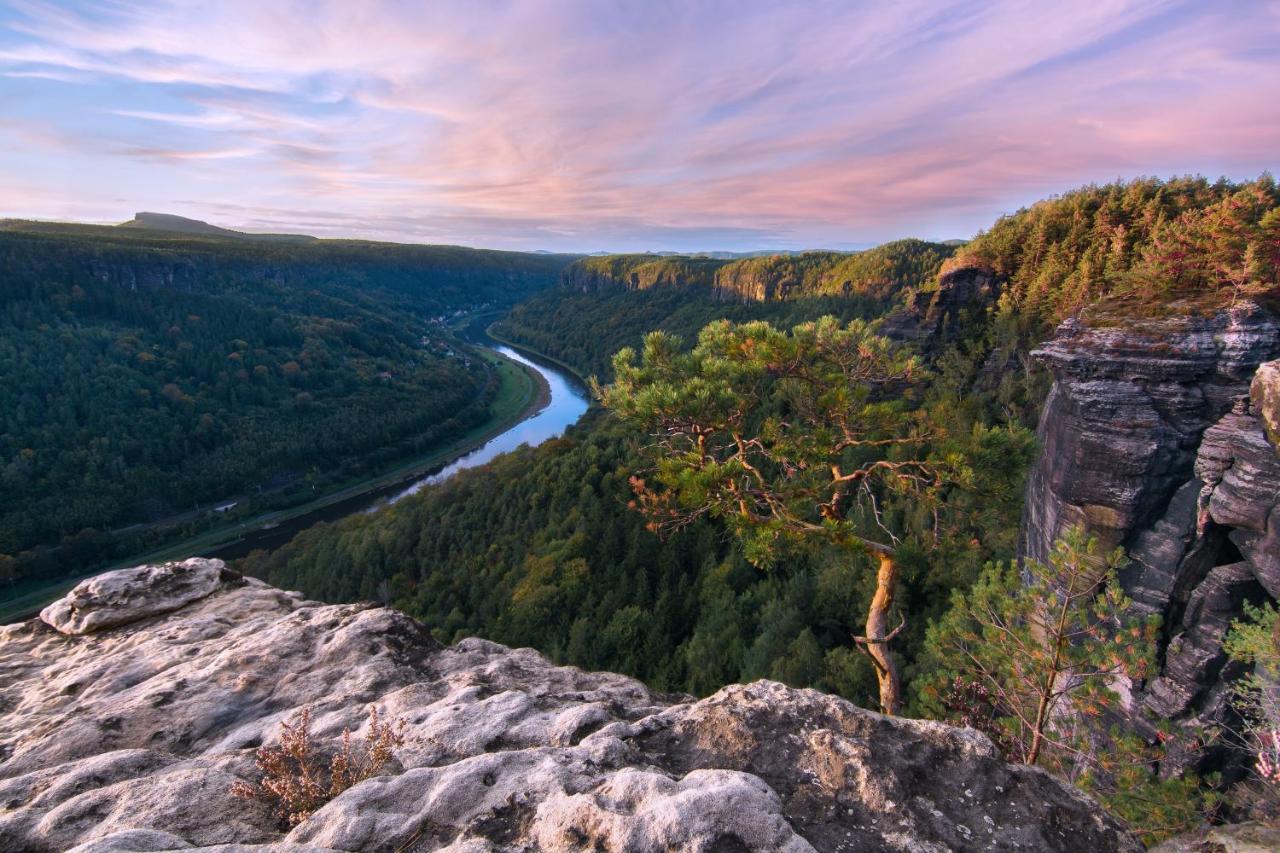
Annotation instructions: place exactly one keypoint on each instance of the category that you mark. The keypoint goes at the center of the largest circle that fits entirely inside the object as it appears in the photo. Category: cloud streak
(586, 125)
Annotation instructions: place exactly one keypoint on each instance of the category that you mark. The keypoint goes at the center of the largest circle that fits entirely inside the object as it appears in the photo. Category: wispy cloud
(608, 125)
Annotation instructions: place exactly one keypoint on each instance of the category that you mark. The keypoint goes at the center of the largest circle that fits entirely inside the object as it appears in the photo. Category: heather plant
(296, 779)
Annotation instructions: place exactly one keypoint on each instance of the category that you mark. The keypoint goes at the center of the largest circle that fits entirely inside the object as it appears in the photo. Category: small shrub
(1254, 641)
(296, 778)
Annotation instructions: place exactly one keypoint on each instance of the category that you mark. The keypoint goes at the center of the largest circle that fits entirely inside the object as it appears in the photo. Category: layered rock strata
(1151, 440)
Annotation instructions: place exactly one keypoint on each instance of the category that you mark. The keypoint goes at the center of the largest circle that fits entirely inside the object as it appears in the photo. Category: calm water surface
(568, 402)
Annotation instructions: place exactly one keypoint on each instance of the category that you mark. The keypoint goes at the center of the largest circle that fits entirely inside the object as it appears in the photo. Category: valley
(691, 427)
(547, 522)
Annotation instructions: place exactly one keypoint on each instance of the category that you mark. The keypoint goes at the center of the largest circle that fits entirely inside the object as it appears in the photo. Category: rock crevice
(1152, 439)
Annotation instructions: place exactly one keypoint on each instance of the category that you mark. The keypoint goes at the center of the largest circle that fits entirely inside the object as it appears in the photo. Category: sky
(621, 126)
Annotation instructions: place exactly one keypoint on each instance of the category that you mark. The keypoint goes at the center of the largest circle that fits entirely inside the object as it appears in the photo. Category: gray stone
(118, 598)
(135, 736)
(1231, 838)
(1149, 440)
(133, 841)
(1265, 391)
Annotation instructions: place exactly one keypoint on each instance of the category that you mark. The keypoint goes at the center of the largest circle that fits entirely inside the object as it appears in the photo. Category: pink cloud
(810, 122)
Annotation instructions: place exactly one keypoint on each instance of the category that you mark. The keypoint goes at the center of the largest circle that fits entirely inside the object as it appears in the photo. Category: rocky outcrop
(120, 735)
(932, 316)
(638, 272)
(118, 598)
(1150, 440)
(1265, 392)
(1232, 838)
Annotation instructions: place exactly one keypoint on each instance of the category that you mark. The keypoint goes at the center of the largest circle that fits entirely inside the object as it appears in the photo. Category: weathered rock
(1195, 657)
(131, 738)
(1265, 391)
(118, 598)
(932, 316)
(1232, 838)
(1149, 441)
(1130, 402)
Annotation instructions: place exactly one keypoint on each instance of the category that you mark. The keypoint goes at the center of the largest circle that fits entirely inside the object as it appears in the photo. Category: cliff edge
(131, 707)
(1155, 437)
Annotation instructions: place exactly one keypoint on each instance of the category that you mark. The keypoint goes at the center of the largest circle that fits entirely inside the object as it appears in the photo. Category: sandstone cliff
(880, 273)
(130, 707)
(930, 317)
(1151, 440)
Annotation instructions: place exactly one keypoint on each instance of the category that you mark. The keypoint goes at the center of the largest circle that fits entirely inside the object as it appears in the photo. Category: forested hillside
(1144, 241)
(875, 272)
(585, 330)
(149, 377)
(606, 303)
(541, 548)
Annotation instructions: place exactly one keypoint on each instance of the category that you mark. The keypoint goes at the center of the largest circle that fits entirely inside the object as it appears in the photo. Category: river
(568, 402)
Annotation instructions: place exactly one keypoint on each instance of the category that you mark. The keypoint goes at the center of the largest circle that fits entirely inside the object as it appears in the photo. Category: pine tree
(1045, 642)
(793, 439)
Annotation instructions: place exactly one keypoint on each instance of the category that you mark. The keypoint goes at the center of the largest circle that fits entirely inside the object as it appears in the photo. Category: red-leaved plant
(296, 778)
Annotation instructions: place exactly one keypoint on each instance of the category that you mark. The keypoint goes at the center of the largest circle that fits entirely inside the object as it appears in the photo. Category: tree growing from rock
(793, 439)
(1254, 641)
(1035, 656)
(1045, 642)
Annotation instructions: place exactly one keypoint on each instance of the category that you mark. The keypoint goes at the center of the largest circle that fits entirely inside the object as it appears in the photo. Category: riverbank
(523, 393)
(541, 355)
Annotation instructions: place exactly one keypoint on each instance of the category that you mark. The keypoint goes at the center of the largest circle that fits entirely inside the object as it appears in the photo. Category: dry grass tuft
(296, 778)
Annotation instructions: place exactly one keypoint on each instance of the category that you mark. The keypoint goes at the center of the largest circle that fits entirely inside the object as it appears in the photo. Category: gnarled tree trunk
(876, 641)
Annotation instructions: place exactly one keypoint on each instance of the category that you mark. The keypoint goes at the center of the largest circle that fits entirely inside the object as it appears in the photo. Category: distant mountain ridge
(183, 225)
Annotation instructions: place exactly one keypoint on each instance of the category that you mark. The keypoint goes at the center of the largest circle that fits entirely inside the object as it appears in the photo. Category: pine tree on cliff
(1045, 639)
(1034, 656)
(794, 440)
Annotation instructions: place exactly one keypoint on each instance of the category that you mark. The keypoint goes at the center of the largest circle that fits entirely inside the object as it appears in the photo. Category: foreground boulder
(127, 731)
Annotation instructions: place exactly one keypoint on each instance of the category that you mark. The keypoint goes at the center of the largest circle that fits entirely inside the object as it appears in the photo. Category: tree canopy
(780, 436)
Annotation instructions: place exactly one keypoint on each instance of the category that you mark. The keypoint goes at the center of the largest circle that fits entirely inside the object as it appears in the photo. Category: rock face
(931, 315)
(1265, 392)
(1149, 439)
(649, 272)
(130, 737)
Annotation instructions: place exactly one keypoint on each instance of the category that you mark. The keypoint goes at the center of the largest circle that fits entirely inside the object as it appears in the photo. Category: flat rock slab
(127, 730)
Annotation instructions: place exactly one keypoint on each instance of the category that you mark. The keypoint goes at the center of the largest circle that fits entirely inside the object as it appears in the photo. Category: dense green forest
(584, 325)
(541, 548)
(1134, 241)
(584, 330)
(152, 376)
(878, 272)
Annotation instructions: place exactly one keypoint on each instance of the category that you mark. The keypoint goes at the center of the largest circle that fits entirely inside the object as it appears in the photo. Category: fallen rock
(118, 598)
(131, 738)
